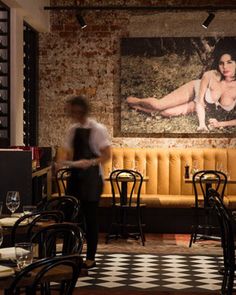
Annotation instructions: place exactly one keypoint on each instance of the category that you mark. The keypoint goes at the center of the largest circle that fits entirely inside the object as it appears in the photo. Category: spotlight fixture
(208, 20)
(81, 21)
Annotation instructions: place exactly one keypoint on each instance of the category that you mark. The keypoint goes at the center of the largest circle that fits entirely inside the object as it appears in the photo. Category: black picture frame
(153, 67)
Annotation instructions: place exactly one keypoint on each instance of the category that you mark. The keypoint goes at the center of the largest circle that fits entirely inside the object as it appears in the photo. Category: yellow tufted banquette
(165, 168)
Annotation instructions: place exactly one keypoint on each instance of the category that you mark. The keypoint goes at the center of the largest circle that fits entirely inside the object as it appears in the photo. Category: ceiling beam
(158, 8)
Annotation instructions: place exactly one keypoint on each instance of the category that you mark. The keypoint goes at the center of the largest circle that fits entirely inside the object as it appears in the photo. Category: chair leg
(224, 282)
(191, 239)
(113, 222)
(194, 228)
(142, 235)
(230, 284)
(193, 235)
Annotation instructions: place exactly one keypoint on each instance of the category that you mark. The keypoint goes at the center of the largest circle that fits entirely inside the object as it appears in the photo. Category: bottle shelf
(4, 75)
(3, 46)
(2, 60)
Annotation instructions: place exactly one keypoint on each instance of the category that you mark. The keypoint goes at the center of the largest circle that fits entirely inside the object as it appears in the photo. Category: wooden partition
(16, 175)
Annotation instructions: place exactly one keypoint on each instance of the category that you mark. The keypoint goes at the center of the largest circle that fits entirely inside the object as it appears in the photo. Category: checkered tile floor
(150, 272)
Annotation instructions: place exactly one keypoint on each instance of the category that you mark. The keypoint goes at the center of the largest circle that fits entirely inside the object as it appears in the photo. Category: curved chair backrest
(63, 270)
(226, 225)
(205, 179)
(69, 205)
(62, 176)
(127, 185)
(59, 239)
(30, 222)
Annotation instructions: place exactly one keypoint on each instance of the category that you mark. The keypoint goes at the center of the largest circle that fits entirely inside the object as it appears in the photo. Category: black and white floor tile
(150, 272)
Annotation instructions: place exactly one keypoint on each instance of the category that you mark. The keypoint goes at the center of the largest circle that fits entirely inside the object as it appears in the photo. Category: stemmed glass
(13, 200)
(194, 167)
(24, 254)
(219, 166)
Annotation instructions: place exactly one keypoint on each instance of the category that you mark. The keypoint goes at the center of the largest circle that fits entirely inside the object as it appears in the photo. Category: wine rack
(4, 75)
(30, 127)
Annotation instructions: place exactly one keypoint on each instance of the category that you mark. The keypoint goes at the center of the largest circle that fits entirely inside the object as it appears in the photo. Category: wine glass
(194, 167)
(24, 254)
(13, 200)
(219, 166)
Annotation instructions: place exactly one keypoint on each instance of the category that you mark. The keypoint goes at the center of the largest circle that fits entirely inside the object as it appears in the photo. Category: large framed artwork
(178, 87)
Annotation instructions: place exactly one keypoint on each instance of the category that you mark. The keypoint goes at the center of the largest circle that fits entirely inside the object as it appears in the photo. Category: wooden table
(209, 181)
(37, 174)
(22, 229)
(124, 186)
(208, 185)
(5, 282)
(57, 274)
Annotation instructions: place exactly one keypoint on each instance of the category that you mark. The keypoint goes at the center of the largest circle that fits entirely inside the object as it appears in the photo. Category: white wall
(16, 79)
(32, 12)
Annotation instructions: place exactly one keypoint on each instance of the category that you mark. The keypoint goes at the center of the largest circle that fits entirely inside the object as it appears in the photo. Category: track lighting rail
(158, 8)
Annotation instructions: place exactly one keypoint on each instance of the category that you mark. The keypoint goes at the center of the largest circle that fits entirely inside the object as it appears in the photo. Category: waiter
(87, 147)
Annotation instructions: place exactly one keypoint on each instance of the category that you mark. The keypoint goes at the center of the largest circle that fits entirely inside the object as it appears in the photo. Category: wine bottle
(1, 30)
(1, 71)
(2, 59)
(2, 86)
(2, 46)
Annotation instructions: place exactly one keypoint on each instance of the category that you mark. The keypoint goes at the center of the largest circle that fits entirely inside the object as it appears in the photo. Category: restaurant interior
(159, 78)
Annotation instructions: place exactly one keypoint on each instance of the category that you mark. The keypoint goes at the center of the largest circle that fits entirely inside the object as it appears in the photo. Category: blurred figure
(87, 147)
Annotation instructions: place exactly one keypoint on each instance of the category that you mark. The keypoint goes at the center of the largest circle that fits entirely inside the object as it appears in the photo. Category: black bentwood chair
(41, 276)
(28, 224)
(204, 224)
(227, 226)
(62, 176)
(58, 239)
(126, 207)
(69, 205)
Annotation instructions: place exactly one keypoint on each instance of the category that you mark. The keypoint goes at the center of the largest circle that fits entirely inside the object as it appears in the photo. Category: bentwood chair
(204, 224)
(41, 276)
(126, 206)
(62, 176)
(227, 226)
(59, 239)
(69, 205)
(28, 224)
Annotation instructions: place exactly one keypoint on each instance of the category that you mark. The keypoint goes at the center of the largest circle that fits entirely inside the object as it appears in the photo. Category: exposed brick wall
(74, 61)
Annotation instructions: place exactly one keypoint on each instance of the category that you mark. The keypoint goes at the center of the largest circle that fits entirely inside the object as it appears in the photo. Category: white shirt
(98, 140)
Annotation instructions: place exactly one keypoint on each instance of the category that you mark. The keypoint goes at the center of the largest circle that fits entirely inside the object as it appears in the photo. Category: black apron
(85, 184)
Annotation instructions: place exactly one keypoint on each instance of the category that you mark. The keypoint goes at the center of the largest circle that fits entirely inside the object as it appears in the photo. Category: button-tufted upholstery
(165, 171)
(164, 168)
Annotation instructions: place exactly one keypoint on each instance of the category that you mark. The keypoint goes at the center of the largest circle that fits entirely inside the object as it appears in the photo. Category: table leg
(123, 193)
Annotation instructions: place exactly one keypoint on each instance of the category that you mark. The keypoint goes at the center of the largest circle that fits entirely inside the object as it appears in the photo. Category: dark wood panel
(16, 174)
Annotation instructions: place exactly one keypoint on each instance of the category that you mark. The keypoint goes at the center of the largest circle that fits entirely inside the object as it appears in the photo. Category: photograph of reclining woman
(178, 86)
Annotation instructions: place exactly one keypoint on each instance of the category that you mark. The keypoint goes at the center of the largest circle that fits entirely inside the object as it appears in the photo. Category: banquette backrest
(165, 167)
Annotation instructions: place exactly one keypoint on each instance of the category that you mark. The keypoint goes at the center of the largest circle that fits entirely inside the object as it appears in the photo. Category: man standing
(87, 147)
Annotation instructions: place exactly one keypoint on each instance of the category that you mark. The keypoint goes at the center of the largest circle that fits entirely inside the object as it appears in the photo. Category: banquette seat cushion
(164, 170)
